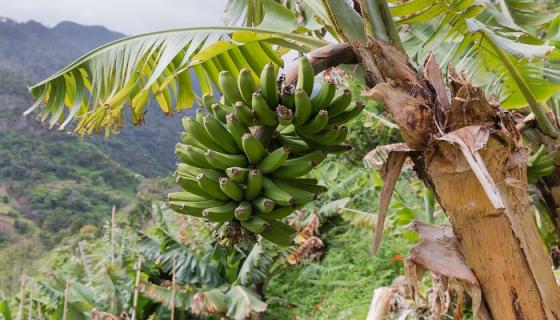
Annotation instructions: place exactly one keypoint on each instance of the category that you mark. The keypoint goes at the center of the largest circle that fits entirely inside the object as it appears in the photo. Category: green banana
(184, 169)
(277, 213)
(342, 135)
(303, 107)
(208, 100)
(237, 174)
(347, 115)
(199, 115)
(193, 208)
(279, 233)
(285, 116)
(263, 112)
(244, 114)
(256, 225)
(188, 139)
(199, 133)
(192, 156)
(296, 146)
(223, 161)
(228, 87)
(537, 155)
(287, 130)
(301, 195)
(219, 134)
(219, 111)
(236, 129)
(243, 211)
(274, 160)
(185, 196)
(212, 187)
(288, 96)
(279, 196)
(294, 170)
(254, 184)
(324, 138)
(318, 156)
(318, 123)
(263, 204)
(340, 103)
(231, 189)
(253, 148)
(306, 76)
(324, 96)
(268, 86)
(221, 213)
(191, 185)
(246, 85)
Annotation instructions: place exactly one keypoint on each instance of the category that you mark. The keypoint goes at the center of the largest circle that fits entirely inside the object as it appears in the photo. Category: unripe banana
(347, 115)
(306, 76)
(244, 114)
(228, 87)
(285, 115)
(243, 211)
(301, 195)
(537, 155)
(192, 156)
(199, 133)
(246, 85)
(208, 100)
(254, 184)
(268, 86)
(324, 138)
(193, 208)
(253, 148)
(219, 111)
(288, 96)
(293, 170)
(219, 134)
(318, 156)
(318, 123)
(184, 169)
(237, 174)
(277, 213)
(231, 189)
(188, 139)
(287, 130)
(191, 185)
(223, 161)
(236, 129)
(199, 115)
(263, 112)
(255, 225)
(280, 197)
(279, 233)
(342, 135)
(296, 146)
(264, 205)
(185, 196)
(303, 107)
(221, 213)
(212, 187)
(340, 103)
(274, 160)
(324, 96)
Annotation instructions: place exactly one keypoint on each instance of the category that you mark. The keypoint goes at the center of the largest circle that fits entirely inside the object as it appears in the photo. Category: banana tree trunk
(468, 151)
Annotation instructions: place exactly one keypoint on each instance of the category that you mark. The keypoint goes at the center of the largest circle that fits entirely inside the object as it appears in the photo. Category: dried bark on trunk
(468, 151)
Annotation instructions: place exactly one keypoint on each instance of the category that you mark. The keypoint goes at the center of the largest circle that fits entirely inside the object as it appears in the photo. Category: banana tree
(465, 145)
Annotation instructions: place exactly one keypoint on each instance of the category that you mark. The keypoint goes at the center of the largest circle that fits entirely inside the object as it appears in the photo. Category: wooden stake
(173, 281)
(136, 287)
(20, 307)
(113, 219)
(30, 312)
(65, 310)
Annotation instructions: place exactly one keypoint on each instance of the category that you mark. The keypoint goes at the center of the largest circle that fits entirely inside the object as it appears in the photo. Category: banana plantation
(366, 159)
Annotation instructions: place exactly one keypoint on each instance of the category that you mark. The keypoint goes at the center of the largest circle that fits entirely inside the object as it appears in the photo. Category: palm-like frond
(255, 267)
(96, 88)
(485, 43)
(164, 295)
(243, 302)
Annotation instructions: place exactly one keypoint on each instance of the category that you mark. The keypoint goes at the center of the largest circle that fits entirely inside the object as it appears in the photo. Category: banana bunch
(541, 164)
(244, 159)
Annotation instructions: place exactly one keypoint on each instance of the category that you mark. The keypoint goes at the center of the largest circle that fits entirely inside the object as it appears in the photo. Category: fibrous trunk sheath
(468, 152)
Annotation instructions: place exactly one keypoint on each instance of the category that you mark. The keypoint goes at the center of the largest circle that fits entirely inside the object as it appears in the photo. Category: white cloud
(126, 16)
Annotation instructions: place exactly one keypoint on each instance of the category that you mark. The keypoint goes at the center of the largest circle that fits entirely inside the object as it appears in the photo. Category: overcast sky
(126, 16)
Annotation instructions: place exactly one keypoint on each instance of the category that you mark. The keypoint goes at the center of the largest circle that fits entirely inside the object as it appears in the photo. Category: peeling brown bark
(468, 151)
